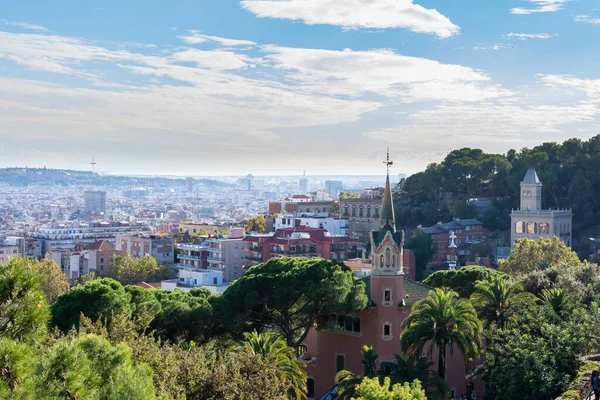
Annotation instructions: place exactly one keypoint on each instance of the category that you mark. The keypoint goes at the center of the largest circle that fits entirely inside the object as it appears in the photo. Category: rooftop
(531, 177)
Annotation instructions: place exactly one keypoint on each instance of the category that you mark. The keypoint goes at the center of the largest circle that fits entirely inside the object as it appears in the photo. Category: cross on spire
(387, 162)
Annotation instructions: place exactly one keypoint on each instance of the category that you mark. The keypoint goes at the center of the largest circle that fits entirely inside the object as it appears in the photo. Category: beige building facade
(532, 222)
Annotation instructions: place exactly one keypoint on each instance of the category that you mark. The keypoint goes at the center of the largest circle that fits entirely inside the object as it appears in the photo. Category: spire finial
(387, 162)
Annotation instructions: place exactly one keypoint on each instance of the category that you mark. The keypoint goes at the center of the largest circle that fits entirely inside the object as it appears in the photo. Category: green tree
(290, 295)
(17, 363)
(24, 313)
(556, 300)
(348, 195)
(54, 281)
(530, 255)
(441, 321)
(274, 349)
(422, 245)
(372, 389)
(495, 301)
(462, 280)
(129, 271)
(257, 223)
(97, 299)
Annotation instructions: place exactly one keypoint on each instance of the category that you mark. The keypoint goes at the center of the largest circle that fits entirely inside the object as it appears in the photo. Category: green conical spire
(387, 210)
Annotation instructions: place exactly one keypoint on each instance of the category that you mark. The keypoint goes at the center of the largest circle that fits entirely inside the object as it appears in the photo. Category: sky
(198, 87)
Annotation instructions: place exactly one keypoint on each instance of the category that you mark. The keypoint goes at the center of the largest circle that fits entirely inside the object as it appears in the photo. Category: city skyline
(238, 87)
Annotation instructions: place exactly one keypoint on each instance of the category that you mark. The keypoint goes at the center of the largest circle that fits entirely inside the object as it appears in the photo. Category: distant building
(333, 225)
(300, 241)
(189, 185)
(303, 185)
(452, 240)
(139, 245)
(300, 204)
(94, 201)
(363, 215)
(8, 251)
(197, 228)
(189, 278)
(334, 188)
(99, 254)
(225, 254)
(193, 255)
(531, 222)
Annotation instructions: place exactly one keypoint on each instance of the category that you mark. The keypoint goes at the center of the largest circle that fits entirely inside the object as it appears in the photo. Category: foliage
(371, 389)
(579, 282)
(463, 280)
(129, 271)
(495, 301)
(275, 350)
(422, 245)
(538, 357)
(442, 321)
(569, 172)
(97, 299)
(531, 255)
(556, 300)
(54, 281)
(87, 367)
(290, 295)
(257, 223)
(348, 195)
(347, 381)
(24, 312)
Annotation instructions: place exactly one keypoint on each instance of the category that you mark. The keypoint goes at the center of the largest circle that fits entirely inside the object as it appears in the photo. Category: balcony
(215, 259)
(187, 257)
(252, 258)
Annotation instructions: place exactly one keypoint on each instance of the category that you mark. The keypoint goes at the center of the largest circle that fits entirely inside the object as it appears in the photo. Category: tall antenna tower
(93, 164)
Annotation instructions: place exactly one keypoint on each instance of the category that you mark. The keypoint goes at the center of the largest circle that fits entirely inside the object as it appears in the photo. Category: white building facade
(532, 222)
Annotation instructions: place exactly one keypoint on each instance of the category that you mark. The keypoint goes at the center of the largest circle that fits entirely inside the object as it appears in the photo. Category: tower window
(387, 296)
(387, 330)
(310, 388)
(339, 362)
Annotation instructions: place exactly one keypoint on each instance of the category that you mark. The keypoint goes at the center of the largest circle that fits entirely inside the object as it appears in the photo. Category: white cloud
(219, 60)
(587, 19)
(357, 14)
(524, 36)
(194, 37)
(589, 87)
(383, 72)
(24, 25)
(541, 6)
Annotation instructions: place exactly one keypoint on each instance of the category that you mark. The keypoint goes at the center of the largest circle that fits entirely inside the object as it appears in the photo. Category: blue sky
(273, 86)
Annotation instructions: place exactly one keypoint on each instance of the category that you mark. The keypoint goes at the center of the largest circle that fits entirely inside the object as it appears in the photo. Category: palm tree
(556, 300)
(495, 301)
(441, 321)
(347, 381)
(275, 349)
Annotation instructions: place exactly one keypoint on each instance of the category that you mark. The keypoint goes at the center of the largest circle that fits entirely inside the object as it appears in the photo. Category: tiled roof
(414, 291)
(378, 236)
(469, 221)
(531, 177)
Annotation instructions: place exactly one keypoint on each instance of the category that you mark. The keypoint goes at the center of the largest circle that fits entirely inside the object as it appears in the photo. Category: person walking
(596, 384)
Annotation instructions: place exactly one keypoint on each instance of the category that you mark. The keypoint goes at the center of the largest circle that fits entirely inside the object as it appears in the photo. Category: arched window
(531, 227)
(520, 227)
(354, 211)
(346, 209)
(544, 228)
(381, 260)
(387, 257)
(368, 211)
(393, 260)
(376, 212)
(360, 211)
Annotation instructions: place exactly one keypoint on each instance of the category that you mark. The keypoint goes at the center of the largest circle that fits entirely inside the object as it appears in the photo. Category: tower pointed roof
(387, 209)
(531, 177)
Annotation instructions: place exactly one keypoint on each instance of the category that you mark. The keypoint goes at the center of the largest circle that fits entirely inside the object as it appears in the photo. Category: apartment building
(140, 245)
(225, 254)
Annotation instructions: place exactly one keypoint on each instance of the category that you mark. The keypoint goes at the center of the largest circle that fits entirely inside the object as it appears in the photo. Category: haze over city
(277, 87)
